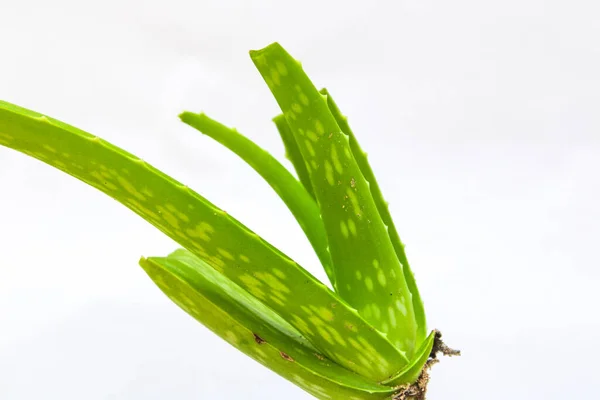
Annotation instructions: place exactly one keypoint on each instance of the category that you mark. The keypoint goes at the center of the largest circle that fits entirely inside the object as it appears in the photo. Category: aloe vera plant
(367, 338)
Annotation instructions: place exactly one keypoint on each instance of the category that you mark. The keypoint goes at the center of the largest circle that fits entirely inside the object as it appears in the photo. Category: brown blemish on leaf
(286, 357)
(350, 327)
(258, 339)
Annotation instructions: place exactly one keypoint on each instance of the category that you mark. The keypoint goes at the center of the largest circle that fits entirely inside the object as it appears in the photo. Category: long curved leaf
(211, 234)
(367, 271)
(293, 194)
(382, 206)
(244, 322)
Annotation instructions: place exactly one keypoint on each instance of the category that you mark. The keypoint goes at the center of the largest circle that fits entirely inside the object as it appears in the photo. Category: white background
(481, 120)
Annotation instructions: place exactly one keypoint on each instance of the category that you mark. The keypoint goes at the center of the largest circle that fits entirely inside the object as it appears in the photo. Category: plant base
(418, 390)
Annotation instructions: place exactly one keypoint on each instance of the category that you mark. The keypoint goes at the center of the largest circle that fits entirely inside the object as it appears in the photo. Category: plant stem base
(418, 390)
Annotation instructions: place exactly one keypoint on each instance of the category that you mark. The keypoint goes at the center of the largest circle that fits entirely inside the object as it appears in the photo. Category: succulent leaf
(211, 234)
(384, 212)
(367, 271)
(293, 194)
(411, 372)
(250, 326)
(292, 152)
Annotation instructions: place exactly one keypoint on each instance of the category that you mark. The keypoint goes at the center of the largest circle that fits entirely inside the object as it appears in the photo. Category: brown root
(418, 390)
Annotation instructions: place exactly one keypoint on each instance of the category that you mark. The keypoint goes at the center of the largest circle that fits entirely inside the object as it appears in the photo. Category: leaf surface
(253, 328)
(292, 152)
(367, 271)
(411, 372)
(382, 206)
(211, 234)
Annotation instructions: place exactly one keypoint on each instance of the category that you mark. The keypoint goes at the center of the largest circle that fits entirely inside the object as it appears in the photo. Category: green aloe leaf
(367, 271)
(382, 206)
(292, 152)
(411, 372)
(250, 326)
(293, 194)
(211, 234)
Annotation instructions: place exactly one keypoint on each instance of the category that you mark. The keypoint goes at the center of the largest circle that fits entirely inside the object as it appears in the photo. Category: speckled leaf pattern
(293, 194)
(367, 271)
(211, 234)
(382, 207)
(292, 152)
(255, 329)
